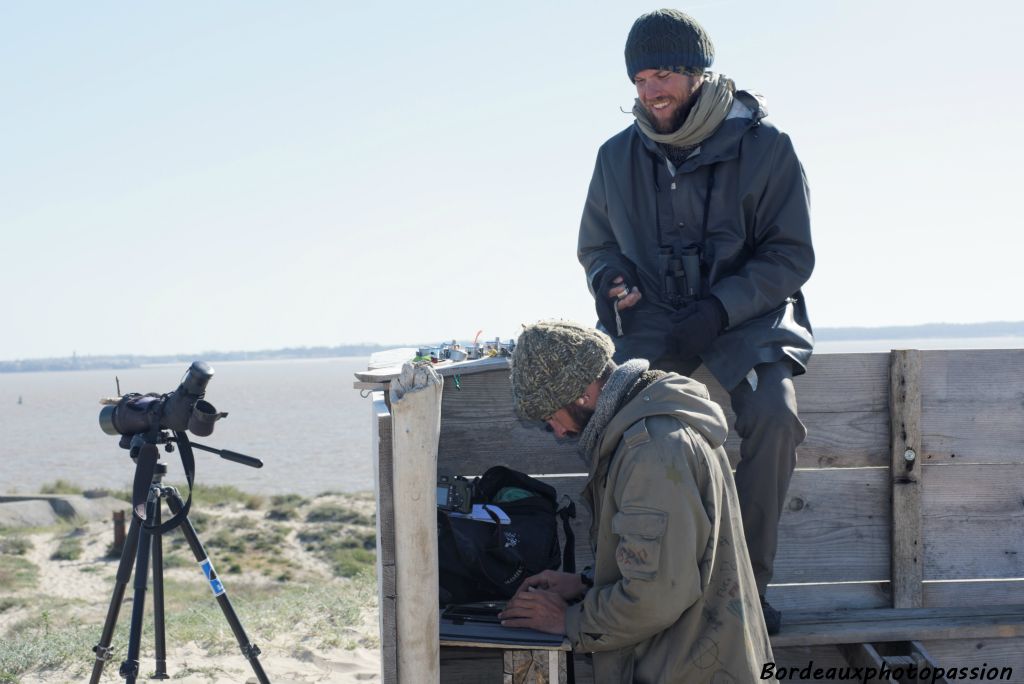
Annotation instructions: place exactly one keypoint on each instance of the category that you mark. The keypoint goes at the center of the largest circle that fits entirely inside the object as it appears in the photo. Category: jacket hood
(673, 395)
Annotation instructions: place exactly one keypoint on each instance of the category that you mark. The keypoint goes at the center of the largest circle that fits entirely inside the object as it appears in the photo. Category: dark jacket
(674, 598)
(742, 197)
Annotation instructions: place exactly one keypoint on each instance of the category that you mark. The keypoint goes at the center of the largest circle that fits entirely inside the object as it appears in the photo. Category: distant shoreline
(122, 361)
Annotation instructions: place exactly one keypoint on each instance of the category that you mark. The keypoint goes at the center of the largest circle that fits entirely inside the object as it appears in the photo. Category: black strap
(568, 510)
(146, 457)
(188, 463)
(569, 550)
(707, 203)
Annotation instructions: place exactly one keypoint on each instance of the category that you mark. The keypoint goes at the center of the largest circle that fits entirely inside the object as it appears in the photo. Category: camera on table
(454, 493)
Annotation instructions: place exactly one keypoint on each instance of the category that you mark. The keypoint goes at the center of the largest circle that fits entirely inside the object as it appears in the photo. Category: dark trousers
(770, 431)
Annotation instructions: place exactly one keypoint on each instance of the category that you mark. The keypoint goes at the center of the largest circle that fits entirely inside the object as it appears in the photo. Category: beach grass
(14, 543)
(60, 487)
(307, 578)
(17, 573)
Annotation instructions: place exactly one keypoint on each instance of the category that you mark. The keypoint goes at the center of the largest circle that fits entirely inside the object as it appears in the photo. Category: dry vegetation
(299, 573)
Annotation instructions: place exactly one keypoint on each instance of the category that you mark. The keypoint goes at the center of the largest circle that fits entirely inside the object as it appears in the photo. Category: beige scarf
(713, 105)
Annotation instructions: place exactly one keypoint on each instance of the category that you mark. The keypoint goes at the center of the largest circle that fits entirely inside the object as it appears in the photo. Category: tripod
(144, 541)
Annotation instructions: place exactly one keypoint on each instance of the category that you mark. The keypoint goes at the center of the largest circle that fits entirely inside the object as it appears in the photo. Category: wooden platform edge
(899, 624)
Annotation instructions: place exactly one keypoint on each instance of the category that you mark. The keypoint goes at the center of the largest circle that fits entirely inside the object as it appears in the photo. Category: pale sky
(184, 177)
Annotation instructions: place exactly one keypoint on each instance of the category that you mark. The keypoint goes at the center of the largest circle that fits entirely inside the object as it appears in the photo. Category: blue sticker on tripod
(211, 575)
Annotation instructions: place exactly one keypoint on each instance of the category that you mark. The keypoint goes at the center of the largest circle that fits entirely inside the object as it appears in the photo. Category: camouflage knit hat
(552, 365)
(668, 39)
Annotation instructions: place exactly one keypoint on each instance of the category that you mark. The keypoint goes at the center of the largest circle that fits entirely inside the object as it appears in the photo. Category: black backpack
(484, 561)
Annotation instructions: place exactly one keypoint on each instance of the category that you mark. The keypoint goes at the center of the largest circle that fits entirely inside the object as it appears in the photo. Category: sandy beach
(312, 613)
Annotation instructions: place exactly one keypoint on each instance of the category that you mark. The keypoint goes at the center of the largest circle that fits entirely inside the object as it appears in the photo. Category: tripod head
(134, 444)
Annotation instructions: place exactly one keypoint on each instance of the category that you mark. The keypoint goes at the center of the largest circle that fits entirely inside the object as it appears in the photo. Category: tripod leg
(103, 650)
(130, 667)
(160, 645)
(250, 650)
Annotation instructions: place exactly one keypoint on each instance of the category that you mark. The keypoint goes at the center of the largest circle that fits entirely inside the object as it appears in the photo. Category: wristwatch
(587, 577)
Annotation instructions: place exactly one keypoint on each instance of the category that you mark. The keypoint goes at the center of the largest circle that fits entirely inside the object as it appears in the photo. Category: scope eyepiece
(204, 415)
(196, 378)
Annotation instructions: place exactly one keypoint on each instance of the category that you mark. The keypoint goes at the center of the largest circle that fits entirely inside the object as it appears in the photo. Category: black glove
(604, 304)
(695, 327)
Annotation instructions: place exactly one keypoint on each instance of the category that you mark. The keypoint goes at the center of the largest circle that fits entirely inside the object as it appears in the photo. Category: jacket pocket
(640, 531)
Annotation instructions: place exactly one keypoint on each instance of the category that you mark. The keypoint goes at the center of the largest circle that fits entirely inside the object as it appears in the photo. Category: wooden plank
(416, 425)
(995, 373)
(479, 428)
(907, 478)
(834, 440)
(973, 432)
(973, 522)
(800, 662)
(985, 654)
(840, 440)
(470, 665)
(862, 378)
(834, 383)
(835, 527)
(381, 444)
(973, 406)
(908, 624)
(828, 596)
(866, 658)
(444, 369)
(973, 593)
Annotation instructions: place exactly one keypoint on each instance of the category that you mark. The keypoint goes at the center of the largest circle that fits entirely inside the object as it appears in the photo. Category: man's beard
(581, 415)
(676, 122)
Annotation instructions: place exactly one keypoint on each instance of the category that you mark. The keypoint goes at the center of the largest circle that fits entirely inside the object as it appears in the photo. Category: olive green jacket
(674, 598)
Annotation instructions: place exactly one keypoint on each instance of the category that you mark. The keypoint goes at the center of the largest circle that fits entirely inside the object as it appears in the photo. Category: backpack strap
(568, 510)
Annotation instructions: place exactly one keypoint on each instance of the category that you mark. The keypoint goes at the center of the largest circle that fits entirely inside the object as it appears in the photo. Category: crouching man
(671, 597)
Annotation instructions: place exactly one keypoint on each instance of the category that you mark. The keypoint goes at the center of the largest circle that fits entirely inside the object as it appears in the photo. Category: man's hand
(613, 293)
(536, 609)
(696, 326)
(566, 584)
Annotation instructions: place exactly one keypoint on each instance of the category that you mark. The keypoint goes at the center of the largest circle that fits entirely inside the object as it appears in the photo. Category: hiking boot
(772, 617)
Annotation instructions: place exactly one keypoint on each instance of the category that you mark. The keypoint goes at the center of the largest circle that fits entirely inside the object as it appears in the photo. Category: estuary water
(302, 417)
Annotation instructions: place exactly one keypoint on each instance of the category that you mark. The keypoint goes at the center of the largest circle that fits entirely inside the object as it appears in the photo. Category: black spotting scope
(180, 410)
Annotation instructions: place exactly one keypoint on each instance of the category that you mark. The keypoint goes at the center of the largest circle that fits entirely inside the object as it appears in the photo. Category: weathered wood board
(974, 521)
(836, 551)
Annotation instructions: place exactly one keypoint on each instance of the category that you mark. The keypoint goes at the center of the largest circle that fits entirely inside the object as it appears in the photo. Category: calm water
(301, 417)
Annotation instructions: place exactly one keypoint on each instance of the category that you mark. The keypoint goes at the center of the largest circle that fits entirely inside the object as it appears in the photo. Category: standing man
(696, 241)
(671, 596)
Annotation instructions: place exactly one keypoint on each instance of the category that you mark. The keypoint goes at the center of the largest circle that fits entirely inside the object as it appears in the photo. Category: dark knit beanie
(667, 39)
(552, 365)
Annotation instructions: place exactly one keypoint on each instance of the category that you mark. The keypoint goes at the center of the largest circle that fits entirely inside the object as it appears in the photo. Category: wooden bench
(902, 537)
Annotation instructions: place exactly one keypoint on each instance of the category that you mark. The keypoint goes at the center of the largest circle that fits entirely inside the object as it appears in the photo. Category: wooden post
(383, 458)
(906, 474)
(118, 532)
(416, 427)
